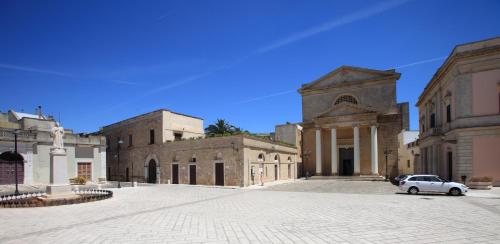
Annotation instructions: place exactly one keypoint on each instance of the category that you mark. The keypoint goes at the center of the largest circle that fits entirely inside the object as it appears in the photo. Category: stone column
(374, 148)
(318, 151)
(356, 150)
(334, 152)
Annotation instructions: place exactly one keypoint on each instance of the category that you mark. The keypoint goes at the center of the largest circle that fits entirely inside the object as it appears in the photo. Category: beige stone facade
(350, 117)
(229, 160)
(408, 151)
(459, 113)
(291, 134)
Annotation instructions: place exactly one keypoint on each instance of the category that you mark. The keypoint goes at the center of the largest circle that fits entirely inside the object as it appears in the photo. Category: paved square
(279, 214)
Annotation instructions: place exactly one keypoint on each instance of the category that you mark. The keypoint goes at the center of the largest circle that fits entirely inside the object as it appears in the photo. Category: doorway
(192, 174)
(175, 174)
(8, 161)
(346, 159)
(152, 171)
(219, 174)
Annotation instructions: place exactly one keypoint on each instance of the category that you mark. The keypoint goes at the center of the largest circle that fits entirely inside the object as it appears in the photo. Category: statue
(57, 132)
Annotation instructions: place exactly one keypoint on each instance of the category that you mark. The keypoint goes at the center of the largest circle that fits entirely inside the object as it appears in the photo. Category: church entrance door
(346, 156)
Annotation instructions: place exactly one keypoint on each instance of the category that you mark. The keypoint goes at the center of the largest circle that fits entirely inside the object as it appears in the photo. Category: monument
(59, 182)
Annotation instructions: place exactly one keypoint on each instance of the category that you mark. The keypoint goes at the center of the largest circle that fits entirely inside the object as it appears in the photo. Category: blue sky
(93, 63)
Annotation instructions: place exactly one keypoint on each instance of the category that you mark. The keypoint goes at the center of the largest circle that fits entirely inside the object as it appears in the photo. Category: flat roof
(152, 112)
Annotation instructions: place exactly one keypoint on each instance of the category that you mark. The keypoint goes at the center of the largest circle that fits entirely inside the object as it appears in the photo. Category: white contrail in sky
(34, 70)
(344, 20)
(290, 91)
(420, 62)
(327, 26)
(266, 96)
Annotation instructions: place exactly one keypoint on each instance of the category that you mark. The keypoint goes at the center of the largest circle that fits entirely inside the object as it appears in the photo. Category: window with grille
(85, 170)
(346, 99)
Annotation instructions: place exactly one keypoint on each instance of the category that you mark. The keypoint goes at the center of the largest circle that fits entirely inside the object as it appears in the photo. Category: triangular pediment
(346, 109)
(349, 74)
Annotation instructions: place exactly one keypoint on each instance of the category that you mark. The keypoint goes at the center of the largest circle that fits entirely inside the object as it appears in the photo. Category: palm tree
(221, 127)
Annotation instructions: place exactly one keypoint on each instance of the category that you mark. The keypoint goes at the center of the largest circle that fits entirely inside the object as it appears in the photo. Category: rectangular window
(408, 163)
(433, 121)
(85, 170)
(130, 140)
(177, 136)
(448, 113)
(151, 136)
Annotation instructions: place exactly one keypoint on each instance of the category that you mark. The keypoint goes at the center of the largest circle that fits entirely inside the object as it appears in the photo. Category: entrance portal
(8, 161)
(192, 174)
(346, 159)
(219, 174)
(152, 171)
(175, 174)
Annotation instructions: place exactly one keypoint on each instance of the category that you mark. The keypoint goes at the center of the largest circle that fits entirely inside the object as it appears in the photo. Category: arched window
(289, 159)
(261, 157)
(276, 158)
(346, 99)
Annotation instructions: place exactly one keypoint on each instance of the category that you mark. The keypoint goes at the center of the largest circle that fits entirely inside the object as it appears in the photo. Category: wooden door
(7, 172)
(219, 174)
(192, 174)
(175, 174)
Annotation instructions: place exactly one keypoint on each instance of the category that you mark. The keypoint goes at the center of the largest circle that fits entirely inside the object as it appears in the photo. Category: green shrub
(79, 180)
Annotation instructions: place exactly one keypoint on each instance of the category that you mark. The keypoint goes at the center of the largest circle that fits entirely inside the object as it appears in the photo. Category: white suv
(414, 184)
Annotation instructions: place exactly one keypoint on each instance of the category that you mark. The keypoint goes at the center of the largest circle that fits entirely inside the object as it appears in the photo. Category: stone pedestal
(59, 182)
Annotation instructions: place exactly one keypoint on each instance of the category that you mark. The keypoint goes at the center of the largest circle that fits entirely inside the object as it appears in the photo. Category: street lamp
(386, 153)
(16, 132)
(120, 142)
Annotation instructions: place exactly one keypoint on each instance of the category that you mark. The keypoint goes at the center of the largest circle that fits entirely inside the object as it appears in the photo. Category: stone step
(350, 178)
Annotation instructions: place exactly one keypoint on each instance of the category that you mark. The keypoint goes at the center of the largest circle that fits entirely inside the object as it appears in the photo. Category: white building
(86, 153)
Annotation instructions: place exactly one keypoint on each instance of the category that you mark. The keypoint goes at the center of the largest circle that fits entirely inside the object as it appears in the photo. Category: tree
(220, 128)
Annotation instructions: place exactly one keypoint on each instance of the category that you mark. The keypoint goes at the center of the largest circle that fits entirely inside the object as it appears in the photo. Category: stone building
(192, 159)
(459, 113)
(291, 133)
(407, 151)
(350, 117)
(86, 154)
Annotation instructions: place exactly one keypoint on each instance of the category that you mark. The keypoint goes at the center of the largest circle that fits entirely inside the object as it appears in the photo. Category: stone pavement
(191, 214)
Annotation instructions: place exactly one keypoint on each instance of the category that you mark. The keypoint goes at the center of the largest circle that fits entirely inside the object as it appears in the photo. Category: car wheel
(413, 190)
(455, 191)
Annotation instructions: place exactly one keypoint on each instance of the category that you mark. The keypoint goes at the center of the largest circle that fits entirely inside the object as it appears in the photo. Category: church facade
(350, 123)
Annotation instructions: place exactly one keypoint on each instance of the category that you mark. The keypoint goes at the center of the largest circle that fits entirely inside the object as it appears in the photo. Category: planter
(480, 185)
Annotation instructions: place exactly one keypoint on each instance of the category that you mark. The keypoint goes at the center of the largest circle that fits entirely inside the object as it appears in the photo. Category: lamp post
(120, 142)
(386, 153)
(16, 132)
(306, 156)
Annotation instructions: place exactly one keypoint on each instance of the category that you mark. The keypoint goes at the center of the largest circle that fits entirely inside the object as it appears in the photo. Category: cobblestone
(191, 214)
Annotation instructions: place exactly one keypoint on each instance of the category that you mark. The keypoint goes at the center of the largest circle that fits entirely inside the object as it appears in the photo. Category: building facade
(86, 154)
(350, 118)
(407, 151)
(459, 113)
(291, 134)
(227, 161)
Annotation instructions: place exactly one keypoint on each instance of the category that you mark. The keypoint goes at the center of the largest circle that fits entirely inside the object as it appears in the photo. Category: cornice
(448, 65)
